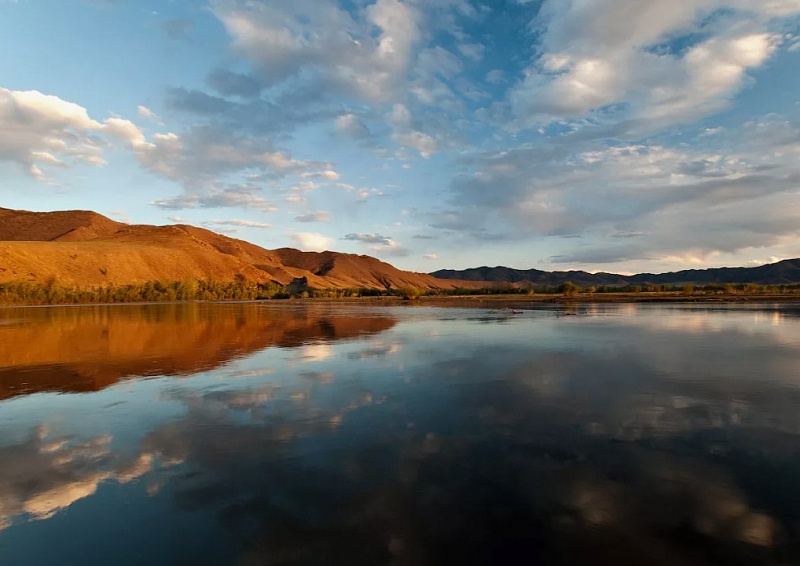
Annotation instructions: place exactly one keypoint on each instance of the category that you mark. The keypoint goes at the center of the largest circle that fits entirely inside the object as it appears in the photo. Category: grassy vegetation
(569, 289)
(32, 293)
(54, 293)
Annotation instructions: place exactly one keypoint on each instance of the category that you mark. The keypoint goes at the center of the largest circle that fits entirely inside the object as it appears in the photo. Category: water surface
(339, 434)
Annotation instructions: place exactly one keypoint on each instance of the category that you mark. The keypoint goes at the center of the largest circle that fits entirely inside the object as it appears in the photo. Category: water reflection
(610, 438)
(88, 348)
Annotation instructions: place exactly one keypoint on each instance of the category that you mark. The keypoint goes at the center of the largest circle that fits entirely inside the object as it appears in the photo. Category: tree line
(53, 292)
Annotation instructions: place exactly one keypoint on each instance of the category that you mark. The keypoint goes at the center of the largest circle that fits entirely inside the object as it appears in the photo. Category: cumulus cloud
(286, 39)
(312, 241)
(618, 58)
(40, 132)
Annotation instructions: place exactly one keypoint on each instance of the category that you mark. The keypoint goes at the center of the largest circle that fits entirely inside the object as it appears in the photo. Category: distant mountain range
(781, 273)
(85, 249)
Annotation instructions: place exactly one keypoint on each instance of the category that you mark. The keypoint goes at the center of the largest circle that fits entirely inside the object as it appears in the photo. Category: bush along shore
(55, 293)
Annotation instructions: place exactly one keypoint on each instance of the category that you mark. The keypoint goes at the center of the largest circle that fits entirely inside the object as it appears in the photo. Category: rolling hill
(85, 249)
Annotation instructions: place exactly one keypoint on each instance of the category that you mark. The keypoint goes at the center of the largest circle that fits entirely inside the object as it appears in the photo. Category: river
(313, 433)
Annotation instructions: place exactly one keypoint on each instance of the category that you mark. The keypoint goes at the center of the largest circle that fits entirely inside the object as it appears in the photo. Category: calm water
(312, 434)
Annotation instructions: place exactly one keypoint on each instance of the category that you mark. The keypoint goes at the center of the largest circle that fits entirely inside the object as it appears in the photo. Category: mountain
(784, 272)
(83, 248)
(529, 277)
(781, 273)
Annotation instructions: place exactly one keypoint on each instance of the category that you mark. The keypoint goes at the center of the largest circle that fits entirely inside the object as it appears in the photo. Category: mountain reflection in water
(622, 435)
(88, 348)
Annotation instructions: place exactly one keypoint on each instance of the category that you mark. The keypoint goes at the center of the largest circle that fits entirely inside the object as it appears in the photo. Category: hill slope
(83, 248)
(781, 273)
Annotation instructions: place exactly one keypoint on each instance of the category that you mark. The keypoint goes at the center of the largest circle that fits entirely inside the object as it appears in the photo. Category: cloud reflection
(41, 475)
(602, 440)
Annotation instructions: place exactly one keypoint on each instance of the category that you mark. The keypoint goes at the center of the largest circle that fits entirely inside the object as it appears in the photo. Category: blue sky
(613, 135)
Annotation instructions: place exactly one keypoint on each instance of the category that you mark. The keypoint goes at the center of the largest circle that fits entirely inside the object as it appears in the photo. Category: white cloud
(145, 112)
(237, 222)
(362, 193)
(472, 51)
(736, 193)
(420, 141)
(430, 256)
(369, 238)
(400, 116)
(406, 135)
(595, 55)
(288, 37)
(199, 158)
(242, 196)
(351, 126)
(495, 76)
(378, 244)
(40, 131)
(320, 216)
(328, 175)
(50, 474)
(312, 241)
(439, 61)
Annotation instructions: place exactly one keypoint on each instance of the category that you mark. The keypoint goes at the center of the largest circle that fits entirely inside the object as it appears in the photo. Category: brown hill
(70, 225)
(83, 248)
(350, 270)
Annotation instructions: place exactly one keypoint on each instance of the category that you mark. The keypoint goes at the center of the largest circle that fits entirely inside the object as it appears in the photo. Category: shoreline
(623, 298)
(474, 301)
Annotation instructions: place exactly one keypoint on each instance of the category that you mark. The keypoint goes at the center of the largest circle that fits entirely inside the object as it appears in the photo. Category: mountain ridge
(784, 272)
(86, 249)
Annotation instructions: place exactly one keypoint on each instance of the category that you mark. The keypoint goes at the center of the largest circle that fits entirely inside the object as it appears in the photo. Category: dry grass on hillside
(83, 248)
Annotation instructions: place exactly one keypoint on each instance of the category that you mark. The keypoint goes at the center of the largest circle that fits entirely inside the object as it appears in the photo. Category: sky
(605, 135)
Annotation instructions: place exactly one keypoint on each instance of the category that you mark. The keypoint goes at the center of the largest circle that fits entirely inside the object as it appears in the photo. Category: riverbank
(643, 297)
(35, 294)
